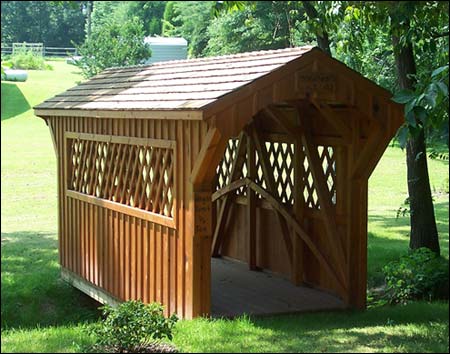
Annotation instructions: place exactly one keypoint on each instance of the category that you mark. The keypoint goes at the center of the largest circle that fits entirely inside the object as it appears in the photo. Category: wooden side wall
(129, 257)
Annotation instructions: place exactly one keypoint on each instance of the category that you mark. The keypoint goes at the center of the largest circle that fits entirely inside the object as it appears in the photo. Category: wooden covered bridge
(261, 157)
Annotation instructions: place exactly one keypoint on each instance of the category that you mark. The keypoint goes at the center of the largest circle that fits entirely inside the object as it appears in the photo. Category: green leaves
(132, 324)
(114, 44)
(419, 275)
(421, 105)
(404, 96)
(438, 71)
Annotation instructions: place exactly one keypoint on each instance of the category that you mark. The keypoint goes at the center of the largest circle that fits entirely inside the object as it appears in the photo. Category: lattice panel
(224, 168)
(281, 156)
(281, 160)
(139, 176)
(326, 157)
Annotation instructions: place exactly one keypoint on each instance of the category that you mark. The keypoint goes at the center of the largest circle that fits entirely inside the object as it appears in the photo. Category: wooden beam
(324, 199)
(302, 234)
(88, 288)
(53, 136)
(230, 188)
(220, 226)
(297, 273)
(122, 208)
(332, 118)
(202, 167)
(280, 118)
(251, 205)
(121, 114)
(370, 154)
(270, 183)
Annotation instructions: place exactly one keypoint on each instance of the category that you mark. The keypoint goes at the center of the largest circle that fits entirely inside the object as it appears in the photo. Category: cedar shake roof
(173, 85)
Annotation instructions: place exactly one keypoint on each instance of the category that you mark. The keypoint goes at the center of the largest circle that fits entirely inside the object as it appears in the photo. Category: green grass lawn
(40, 313)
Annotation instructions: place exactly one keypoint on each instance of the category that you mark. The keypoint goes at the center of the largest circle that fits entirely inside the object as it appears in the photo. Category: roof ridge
(219, 57)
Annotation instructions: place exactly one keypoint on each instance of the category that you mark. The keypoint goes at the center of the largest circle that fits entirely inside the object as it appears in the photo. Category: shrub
(113, 44)
(28, 60)
(419, 275)
(132, 325)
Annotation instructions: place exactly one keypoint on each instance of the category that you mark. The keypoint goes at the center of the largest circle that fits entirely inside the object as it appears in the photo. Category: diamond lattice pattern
(281, 159)
(133, 175)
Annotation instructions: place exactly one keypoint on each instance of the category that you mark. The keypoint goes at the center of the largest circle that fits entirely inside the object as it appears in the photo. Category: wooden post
(201, 248)
(270, 182)
(297, 276)
(357, 252)
(227, 201)
(251, 206)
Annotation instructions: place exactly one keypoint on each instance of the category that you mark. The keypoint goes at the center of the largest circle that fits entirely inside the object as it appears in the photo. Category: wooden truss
(248, 183)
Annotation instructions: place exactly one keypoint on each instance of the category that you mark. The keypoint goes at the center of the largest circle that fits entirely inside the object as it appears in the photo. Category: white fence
(38, 49)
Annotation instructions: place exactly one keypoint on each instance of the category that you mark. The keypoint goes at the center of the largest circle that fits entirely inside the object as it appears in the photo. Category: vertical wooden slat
(133, 258)
(91, 243)
(188, 218)
(127, 257)
(159, 264)
(139, 274)
(166, 270)
(299, 210)
(110, 242)
(251, 206)
(116, 251)
(152, 260)
(104, 248)
(173, 233)
(86, 260)
(100, 247)
(180, 180)
(145, 261)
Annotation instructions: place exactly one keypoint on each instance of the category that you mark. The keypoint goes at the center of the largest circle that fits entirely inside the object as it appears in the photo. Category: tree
(41, 21)
(423, 223)
(318, 25)
(411, 40)
(265, 25)
(151, 14)
(190, 20)
(113, 44)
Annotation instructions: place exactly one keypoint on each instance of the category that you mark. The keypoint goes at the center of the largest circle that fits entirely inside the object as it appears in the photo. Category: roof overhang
(122, 114)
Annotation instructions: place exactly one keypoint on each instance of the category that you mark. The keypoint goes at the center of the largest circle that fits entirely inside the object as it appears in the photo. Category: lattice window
(326, 157)
(224, 168)
(131, 171)
(281, 156)
(281, 160)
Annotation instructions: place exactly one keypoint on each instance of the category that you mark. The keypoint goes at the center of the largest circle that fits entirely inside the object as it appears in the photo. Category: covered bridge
(262, 157)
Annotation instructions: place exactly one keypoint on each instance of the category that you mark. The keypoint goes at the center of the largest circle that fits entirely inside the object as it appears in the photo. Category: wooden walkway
(237, 290)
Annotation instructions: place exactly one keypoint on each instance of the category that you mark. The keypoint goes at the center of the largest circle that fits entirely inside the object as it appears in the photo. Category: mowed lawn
(40, 313)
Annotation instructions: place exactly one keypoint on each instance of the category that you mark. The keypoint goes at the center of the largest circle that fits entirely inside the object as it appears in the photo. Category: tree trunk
(89, 5)
(423, 222)
(322, 39)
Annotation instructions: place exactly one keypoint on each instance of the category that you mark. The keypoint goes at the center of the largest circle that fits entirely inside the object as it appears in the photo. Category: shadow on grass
(13, 101)
(383, 249)
(32, 292)
(345, 332)
(382, 329)
(402, 224)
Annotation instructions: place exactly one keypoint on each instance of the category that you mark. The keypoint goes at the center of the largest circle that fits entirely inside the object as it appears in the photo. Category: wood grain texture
(284, 199)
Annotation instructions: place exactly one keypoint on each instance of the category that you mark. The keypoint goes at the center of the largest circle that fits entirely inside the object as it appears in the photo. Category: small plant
(29, 60)
(134, 327)
(419, 275)
(403, 210)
